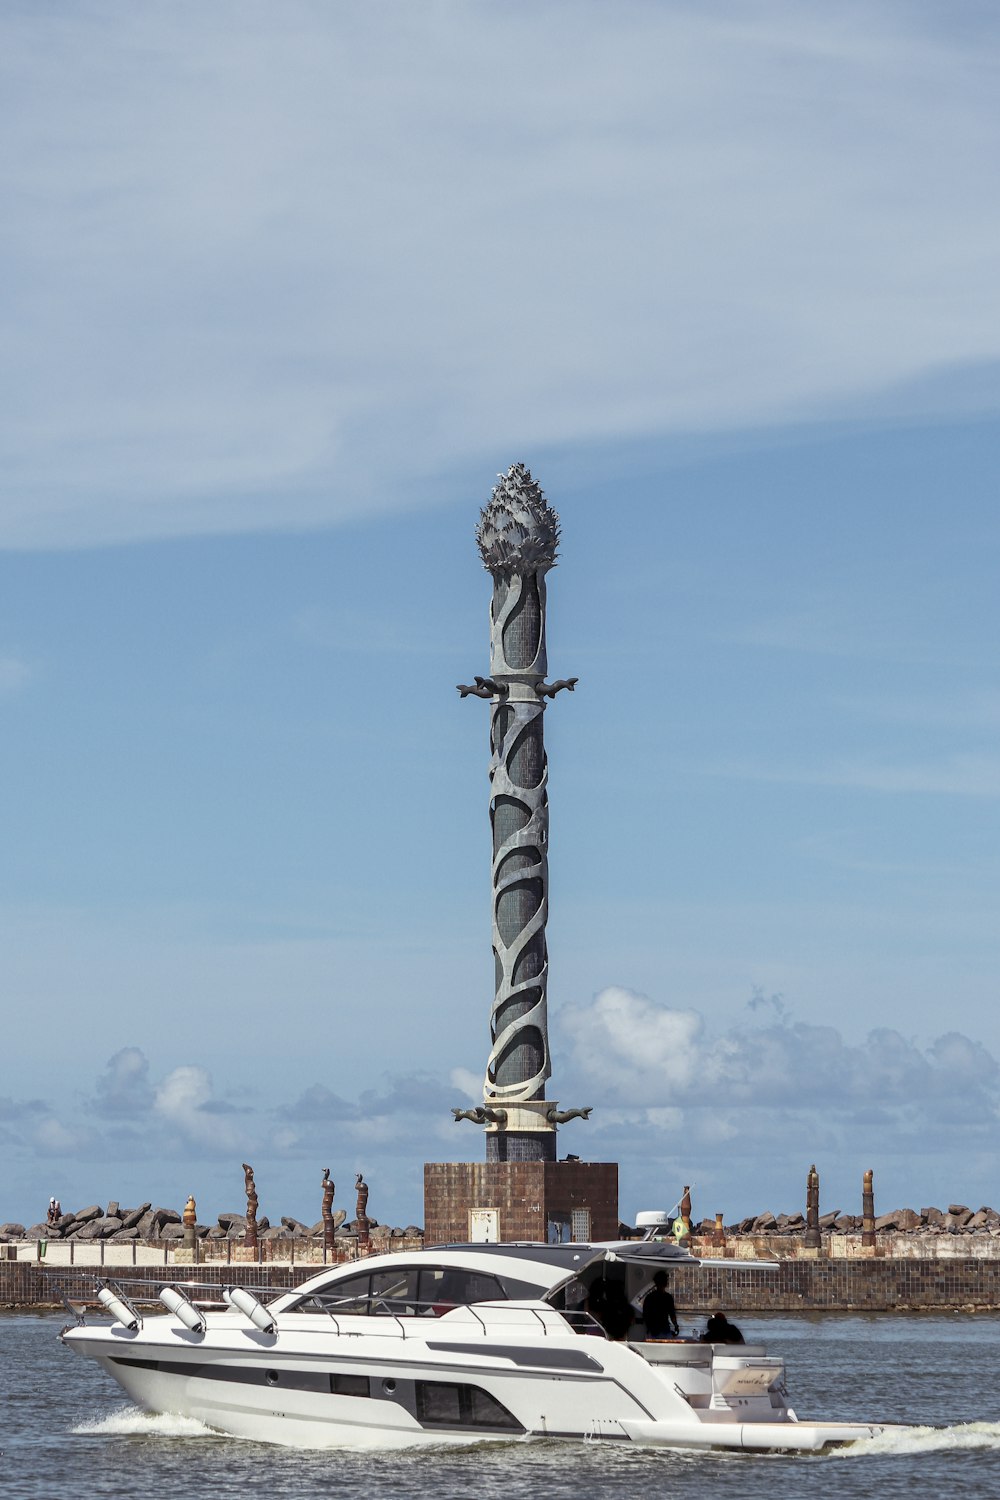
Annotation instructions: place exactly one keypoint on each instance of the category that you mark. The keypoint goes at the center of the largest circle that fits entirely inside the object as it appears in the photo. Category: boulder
(134, 1217)
(11, 1231)
(932, 1216)
(172, 1232)
(827, 1221)
(124, 1235)
(161, 1218)
(413, 1230)
(113, 1211)
(956, 1209)
(228, 1220)
(37, 1232)
(217, 1233)
(764, 1223)
(92, 1230)
(844, 1225)
(84, 1215)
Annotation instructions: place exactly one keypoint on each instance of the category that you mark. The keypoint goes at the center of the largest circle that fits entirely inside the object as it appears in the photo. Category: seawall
(825, 1285)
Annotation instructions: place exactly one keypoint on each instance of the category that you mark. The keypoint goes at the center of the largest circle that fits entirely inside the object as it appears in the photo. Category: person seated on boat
(608, 1303)
(659, 1311)
(719, 1330)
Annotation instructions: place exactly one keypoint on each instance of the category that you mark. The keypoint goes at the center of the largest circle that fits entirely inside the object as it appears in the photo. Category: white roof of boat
(543, 1266)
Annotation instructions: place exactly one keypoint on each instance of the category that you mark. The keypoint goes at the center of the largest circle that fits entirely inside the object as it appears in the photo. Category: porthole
(389, 1387)
(271, 1376)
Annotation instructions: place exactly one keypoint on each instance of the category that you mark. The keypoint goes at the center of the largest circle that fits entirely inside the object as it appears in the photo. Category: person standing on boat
(659, 1311)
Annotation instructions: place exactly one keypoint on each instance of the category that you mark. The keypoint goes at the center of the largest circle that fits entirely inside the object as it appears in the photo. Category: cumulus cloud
(185, 1102)
(636, 1053)
(325, 244)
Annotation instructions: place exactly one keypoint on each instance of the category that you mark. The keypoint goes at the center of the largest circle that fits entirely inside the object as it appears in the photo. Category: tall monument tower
(518, 536)
(522, 1191)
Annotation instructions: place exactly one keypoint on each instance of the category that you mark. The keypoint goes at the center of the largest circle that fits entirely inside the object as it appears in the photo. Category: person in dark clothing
(610, 1306)
(659, 1312)
(719, 1330)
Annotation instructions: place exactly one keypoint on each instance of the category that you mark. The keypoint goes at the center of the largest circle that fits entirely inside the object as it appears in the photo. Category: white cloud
(468, 1083)
(632, 1052)
(275, 269)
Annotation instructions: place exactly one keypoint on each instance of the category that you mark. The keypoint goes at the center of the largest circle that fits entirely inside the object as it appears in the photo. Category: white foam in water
(917, 1440)
(132, 1421)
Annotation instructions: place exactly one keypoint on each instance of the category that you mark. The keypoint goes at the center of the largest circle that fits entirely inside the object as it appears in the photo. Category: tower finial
(518, 530)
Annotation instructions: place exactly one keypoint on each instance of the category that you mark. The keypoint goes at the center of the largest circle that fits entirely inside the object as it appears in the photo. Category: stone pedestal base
(809, 1252)
(506, 1201)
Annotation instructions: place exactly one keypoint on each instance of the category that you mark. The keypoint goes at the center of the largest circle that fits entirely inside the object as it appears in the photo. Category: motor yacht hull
(458, 1344)
(244, 1383)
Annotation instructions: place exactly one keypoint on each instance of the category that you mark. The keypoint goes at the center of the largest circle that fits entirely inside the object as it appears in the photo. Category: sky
(283, 290)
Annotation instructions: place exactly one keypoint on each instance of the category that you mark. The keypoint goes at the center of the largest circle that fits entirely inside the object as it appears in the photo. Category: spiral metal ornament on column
(518, 536)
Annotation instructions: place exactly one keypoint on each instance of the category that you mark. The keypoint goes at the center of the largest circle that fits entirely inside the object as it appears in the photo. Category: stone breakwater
(924, 1223)
(145, 1225)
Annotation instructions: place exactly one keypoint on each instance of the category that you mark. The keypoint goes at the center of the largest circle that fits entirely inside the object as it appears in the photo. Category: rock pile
(956, 1219)
(120, 1225)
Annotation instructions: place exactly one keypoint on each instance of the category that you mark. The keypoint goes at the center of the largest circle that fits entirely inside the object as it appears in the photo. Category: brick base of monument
(520, 1200)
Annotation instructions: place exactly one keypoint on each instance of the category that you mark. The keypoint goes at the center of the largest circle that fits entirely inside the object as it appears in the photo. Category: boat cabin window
(404, 1291)
(348, 1296)
(445, 1288)
(440, 1404)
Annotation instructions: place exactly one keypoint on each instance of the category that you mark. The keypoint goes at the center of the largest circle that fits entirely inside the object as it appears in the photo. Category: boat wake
(132, 1421)
(918, 1440)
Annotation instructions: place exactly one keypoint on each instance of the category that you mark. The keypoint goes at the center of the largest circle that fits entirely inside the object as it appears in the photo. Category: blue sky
(283, 294)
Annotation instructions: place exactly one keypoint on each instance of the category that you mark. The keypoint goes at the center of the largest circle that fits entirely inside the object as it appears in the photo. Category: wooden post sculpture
(189, 1218)
(868, 1210)
(363, 1226)
(812, 1239)
(329, 1229)
(250, 1238)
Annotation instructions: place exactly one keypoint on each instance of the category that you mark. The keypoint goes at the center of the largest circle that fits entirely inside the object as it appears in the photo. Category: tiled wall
(523, 1193)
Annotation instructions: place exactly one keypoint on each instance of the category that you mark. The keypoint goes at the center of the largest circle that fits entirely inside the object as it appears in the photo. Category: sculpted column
(518, 535)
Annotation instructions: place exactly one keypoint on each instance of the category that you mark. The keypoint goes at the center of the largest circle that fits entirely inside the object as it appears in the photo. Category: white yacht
(453, 1344)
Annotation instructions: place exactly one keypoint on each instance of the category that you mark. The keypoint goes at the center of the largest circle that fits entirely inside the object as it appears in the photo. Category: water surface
(67, 1431)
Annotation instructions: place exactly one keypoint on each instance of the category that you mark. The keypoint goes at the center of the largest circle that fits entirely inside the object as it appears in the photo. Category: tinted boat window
(347, 1296)
(395, 1292)
(442, 1287)
(445, 1405)
(349, 1385)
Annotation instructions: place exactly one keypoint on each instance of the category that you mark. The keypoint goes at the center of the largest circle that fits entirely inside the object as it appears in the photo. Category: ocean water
(66, 1430)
